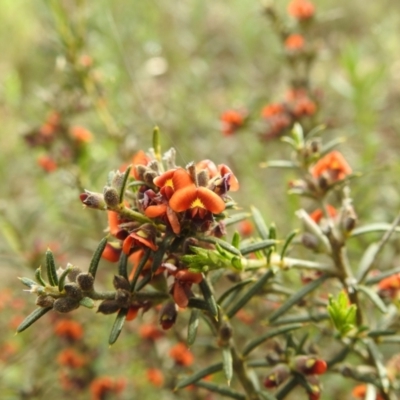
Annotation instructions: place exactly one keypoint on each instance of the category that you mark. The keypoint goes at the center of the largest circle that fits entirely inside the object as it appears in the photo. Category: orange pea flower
(181, 289)
(317, 215)
(47, 163)
(150, 332)
(272, 109)
(181, 355)
(144, 236)
(105, 385)
(155, 376)
(231, 121)
(360, 391)
(71, 358)
(390, 285)
(294, 42)
(81, 135)
(69, 329)
(333, 167)
(301, 9)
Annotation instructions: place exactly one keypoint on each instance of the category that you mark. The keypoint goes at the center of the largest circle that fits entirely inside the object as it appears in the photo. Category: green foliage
(342, 314)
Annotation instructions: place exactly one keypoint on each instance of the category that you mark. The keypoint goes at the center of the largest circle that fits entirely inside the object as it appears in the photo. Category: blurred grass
(178, 65)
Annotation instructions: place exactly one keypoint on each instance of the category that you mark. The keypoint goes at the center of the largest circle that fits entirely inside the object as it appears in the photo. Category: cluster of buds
(306, 366)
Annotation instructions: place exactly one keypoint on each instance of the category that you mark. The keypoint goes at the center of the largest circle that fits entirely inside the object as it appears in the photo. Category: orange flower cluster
(330, 169)
(69, 329)
(181, 355)
(317, 215)
(80, 134)
(360, 391)
(294, 42)
(71, 358)
(155, 376)
(231, 121)
(104, 386)
(301, 9)
(390, 286)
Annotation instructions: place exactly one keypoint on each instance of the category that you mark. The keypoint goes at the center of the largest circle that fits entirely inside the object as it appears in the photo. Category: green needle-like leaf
(123, 265)
(262, 245)
(374, 297)
(208, 296)
(212, 369)
(32, 318)
(297, 297)
(94, 263)
(51, 268)
(288, 240)
(192, 326)
(63, 276)
(123, 185)
(118, 324)
(39, 278)
(238, 286)
(139, 268)
(260, 224)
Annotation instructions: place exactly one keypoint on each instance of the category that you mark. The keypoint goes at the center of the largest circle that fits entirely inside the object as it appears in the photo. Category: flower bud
(123, 298)
(73, 274)
(277, 376)
(310, 241)
(225, 334)
(85, 281)
(111, 197)
(73, 291)
(65, 304)
(108, 307)
(45, 301)
(93, 200)
(310, 365)
(168, 315)
(120, 282)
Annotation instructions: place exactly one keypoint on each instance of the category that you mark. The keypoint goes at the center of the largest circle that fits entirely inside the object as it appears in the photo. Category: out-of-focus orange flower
(85, 60)
(181, 355)
(294, 42)
(81, 135)
(140, 158)
(150, 332)
(15, 321)
(8, 350)
(390, 285)
(304, 107)
(105, 385)
(244, 316)
(272, 109)
(155, 376)
(246, 228)
(360, 391)
(69, 329)
(47, 163)
(51, 124)
(332, 167)
(231, 121)
(71, 358)
(301, 9)
(317, 215)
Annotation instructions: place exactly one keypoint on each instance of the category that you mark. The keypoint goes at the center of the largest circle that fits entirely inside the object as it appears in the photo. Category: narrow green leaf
(118, 324)
(298, 135)
(301, 319)
(254, 289)
(315, 131)
(288, 240)
(123, 185)
(225, 245)
(238, 286)
(32, 317)
(212, 369)
(233, 219)
(39, 278)
(227, 363)
(159, 254)
(367, 260)
(192, 326)
(297, 297)
(51, 268)
(236, 240)
(329, 146)
(139, 268)
(378, 361)
(373, 296)
(123, 265)
(379, 333)
(28, 282)
(373, 228)
(63, 276)
(262, 245)
(289, 140)
(208, 296)
(87, 302)
(278, 164)
(143, 282)
(260, 224)
(156, 143)
(268, 335)
(195, 302)
(94, 263)
(222, 390)
(286, 388)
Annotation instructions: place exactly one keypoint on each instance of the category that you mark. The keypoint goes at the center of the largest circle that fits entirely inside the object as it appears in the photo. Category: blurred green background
(177, 65)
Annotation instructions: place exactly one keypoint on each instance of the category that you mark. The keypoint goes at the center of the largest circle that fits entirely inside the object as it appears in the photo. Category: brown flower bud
(45, 301)
(108, 307)
(85, 281)
(120, 282)
(225, 334)
(73, 291)
(65, 304)
(310, 241)
(310, 365)
(111, 197)
(168, 315)
(93, 200)
(123, 298)
(73, 274)
(277, 376)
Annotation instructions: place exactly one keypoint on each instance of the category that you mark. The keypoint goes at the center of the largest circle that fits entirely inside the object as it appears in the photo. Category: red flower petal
(183, 198)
